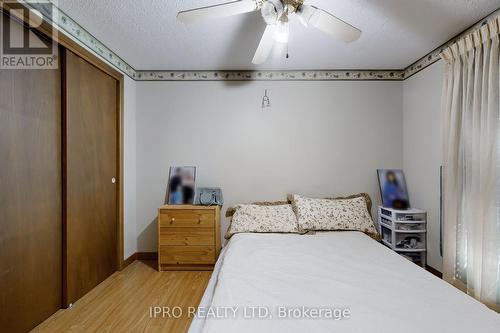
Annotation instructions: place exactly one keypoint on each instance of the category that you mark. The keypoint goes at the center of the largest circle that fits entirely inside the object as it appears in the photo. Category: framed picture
(393, 189)
(181, 185)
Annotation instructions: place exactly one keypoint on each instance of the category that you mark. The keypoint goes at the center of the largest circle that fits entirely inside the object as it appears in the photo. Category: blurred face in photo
(391, 177)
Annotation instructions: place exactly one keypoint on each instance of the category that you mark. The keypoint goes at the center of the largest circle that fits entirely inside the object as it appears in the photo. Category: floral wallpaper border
(435, 55)
(332, 75)
(67, 25)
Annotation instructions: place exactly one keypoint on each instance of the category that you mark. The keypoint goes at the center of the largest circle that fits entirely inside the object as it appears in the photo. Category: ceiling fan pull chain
(287, 55)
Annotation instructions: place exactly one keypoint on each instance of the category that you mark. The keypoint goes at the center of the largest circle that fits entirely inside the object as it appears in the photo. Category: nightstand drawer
(187, 218)
(173, 255)
(187, 236)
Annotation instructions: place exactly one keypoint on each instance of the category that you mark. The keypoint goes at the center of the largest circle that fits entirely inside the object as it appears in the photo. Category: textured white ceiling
(396, 33)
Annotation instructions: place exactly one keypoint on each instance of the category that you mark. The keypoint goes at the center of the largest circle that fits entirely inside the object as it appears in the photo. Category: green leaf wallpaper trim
(70, 27)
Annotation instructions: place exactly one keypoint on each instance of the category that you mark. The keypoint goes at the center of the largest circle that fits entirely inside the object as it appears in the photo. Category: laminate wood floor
(122, 303)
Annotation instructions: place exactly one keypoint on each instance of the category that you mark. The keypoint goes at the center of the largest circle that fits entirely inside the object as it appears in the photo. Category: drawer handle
(172, 220)
(199, 221)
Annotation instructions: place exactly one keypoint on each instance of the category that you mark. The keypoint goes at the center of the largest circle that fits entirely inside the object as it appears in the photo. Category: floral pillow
(263, 219)
(333, 214)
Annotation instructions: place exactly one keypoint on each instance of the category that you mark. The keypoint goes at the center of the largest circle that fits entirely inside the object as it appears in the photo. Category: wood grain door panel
(30, 197)
(91, 162)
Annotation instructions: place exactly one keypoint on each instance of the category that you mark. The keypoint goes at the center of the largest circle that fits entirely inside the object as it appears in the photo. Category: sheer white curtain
(471, 120)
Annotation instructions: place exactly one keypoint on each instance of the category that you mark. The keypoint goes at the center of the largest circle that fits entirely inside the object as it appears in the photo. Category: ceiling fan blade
(217, 11)
(326, 22)
(265, 45)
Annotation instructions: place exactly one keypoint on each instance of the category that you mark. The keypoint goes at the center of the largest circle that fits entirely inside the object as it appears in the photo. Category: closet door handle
(113, 180)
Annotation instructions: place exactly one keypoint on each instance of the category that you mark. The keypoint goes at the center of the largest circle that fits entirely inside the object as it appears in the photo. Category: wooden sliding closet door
(91, 164)
(30, 197)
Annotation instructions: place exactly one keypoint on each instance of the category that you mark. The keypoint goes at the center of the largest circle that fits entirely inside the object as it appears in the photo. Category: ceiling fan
(275, 13)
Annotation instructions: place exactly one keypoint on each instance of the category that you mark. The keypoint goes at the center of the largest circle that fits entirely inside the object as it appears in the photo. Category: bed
(273, 282)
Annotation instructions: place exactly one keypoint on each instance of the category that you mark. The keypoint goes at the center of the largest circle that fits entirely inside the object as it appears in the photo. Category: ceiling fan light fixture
(275, 13)
(282, 33)
(272, 10)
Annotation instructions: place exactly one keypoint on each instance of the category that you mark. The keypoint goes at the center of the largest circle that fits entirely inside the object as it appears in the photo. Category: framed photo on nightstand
(181, 185)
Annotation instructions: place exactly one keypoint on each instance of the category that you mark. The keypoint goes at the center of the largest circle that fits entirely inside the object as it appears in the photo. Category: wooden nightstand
(188, 237)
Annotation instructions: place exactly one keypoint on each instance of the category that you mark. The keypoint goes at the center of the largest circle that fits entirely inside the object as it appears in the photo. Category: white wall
(130, 171)
(422, 149)
(319, 139)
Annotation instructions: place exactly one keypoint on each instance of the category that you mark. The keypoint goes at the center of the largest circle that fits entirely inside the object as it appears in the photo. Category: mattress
(330, 282)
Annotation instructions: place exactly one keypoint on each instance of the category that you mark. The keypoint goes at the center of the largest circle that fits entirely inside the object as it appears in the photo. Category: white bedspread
(383, 291)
